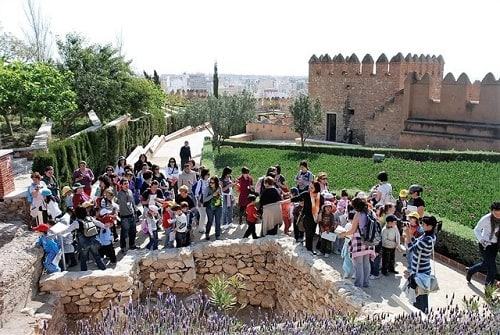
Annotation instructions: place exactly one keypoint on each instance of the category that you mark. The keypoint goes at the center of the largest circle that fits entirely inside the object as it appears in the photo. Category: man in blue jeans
(127, 212)
(487, 232)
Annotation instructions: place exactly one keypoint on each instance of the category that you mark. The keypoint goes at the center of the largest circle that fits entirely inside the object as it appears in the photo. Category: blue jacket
(48, 244)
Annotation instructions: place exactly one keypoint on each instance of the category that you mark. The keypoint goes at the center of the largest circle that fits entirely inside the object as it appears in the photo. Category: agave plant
(220, 293)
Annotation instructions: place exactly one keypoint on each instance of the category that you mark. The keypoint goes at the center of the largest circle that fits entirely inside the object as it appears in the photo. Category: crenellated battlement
(405, 101)
(398, 65)
(459, 99)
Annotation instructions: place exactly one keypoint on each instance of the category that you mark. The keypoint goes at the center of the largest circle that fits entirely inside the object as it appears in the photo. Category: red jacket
(251, 212)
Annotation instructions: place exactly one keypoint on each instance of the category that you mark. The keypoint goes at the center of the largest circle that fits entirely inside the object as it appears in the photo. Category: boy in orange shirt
(252, 216)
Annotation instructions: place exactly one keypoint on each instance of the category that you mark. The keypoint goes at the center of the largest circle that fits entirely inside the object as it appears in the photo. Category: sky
(275, 37)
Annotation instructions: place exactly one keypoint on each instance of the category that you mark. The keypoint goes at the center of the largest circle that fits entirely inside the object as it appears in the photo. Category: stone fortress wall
(274, 273)
(405, 102)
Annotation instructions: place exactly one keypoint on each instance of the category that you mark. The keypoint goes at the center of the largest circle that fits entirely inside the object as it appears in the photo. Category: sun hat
(403, 193)
(327, 203)
(361, 195)
(414, 215)
(65, 190)
(153, 208)
(46, 192)
(87, 204)
(43, 227)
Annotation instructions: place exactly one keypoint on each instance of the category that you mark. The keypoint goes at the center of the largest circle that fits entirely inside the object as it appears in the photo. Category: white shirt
(385, 190)
(483, 230)
(181, 223)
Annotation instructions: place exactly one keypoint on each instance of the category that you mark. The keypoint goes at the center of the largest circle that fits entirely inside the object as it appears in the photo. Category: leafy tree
(306, 116)
(37, 90)
(143, 96)
(100, 76)
(227, 115)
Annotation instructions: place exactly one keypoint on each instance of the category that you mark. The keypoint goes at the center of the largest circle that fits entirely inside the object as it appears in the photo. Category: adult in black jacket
(313, 201)
(185, 154)
(271, 217)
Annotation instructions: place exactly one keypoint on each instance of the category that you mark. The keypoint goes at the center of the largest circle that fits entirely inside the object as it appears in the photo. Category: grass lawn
(459, 191)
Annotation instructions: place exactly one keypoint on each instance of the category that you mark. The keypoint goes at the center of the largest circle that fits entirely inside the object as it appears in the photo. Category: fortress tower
(404, 102)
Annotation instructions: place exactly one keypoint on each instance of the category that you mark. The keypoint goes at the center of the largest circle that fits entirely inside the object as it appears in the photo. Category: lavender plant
(167, 315)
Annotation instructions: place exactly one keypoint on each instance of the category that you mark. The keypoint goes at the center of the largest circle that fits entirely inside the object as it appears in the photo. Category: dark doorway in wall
(331, 127)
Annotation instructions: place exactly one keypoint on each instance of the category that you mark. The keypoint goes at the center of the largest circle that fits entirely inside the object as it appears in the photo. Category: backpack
(88, 228)
(371, 233)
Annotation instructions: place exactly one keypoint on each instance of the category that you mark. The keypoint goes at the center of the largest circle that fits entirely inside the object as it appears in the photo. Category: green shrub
(416, 155)
(99, 148)
(42, 160)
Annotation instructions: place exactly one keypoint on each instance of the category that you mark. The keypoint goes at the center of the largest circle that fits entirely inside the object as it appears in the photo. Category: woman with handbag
(420, 277)
(360, 252)
(212, 201)
(313, 201)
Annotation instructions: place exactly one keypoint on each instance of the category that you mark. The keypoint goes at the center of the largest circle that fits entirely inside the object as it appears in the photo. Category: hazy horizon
(274, 38)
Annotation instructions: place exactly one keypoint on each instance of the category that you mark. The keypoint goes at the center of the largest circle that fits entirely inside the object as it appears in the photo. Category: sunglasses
(110, 170)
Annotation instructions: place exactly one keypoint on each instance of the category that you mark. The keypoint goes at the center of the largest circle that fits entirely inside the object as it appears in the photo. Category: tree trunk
(302, 140)
(21, 119)
(9, 125)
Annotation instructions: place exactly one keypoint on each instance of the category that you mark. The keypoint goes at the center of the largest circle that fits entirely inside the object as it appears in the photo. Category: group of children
(177, 220)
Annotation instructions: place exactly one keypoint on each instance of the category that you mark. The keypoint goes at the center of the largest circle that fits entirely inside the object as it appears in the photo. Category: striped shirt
(422, 248)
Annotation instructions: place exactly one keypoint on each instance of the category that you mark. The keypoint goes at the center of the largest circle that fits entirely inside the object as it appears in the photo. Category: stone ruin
(275, 272)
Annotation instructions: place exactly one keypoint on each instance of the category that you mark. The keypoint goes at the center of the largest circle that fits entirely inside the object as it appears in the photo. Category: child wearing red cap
(51, 248)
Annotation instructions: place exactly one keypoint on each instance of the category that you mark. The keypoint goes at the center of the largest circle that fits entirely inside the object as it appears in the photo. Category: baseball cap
(391, 218)
(43, 227)
(403, 193)
(77, 186)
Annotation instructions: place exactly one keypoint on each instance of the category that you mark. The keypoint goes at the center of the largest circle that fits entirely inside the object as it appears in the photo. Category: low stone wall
(274, 274)
(89, 292)
(270, 131)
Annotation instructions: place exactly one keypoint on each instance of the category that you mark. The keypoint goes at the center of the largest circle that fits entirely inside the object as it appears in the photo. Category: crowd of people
(367, 229)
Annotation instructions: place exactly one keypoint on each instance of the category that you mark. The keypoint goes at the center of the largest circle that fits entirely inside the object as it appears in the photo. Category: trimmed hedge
(416, 155)
(99, 148)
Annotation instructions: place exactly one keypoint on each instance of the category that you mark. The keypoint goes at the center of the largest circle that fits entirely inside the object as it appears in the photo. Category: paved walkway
(172, 148)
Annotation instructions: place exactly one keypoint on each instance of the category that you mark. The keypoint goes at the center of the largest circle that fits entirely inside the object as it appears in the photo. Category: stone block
(175, 277)
(83, 302)
(229, 269)
(216, 269)
(247, 271)
(89, 290)
(189, 276)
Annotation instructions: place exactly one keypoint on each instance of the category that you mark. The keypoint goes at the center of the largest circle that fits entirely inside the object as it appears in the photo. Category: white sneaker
(327, 255)
(320, 253)
(372, 277)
